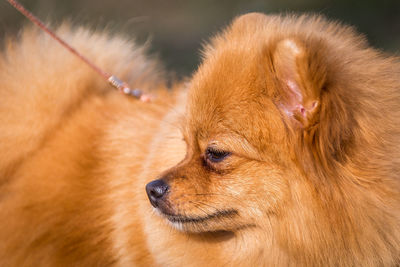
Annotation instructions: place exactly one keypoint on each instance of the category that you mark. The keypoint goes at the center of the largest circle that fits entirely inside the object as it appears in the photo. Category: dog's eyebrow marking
(238, 145)
(185, 219)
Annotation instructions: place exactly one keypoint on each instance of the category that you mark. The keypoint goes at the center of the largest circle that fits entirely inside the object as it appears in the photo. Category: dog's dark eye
(215, 155)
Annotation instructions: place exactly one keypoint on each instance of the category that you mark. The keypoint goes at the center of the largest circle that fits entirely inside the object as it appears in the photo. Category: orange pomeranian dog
(283, 151)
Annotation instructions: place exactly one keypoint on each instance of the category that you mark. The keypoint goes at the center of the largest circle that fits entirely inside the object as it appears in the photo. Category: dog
(283, 149)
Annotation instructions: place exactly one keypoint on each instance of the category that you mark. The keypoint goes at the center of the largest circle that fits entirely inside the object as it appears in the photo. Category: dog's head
(254, 130)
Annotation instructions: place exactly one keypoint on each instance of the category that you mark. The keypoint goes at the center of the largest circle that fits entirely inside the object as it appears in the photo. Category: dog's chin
(223, 220)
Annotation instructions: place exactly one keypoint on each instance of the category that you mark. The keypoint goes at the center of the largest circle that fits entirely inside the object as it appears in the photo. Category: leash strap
(113, 80)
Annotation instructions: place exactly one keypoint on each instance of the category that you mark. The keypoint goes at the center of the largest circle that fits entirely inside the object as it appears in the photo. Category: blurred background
(177, 28)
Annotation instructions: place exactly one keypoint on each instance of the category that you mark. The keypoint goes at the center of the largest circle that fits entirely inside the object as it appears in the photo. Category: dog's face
(239, 160)
(228, 178)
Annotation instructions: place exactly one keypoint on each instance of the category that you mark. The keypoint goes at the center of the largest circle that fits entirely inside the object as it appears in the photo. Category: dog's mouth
(182, 215)
(201, 219)
(215, 221)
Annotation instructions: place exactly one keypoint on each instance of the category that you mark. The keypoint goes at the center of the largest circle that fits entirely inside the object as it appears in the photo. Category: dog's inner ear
(300, 77)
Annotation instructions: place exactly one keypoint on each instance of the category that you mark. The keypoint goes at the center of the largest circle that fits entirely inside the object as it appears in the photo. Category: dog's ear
(301, 77)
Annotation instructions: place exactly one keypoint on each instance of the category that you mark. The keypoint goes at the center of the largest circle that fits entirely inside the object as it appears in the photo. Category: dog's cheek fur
(255, 190)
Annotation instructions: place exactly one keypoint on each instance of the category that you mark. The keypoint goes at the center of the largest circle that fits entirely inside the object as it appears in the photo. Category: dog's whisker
(214, 194)
(199, 208)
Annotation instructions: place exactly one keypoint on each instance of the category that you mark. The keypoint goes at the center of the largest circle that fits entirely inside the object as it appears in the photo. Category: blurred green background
(177, 28)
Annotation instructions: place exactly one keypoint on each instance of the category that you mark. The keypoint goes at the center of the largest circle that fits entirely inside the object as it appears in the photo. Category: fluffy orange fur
(284, 151)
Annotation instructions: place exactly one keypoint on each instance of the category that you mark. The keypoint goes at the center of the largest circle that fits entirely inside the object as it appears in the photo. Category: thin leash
(113, 80)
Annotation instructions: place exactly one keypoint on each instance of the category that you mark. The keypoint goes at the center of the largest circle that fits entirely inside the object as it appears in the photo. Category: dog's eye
(215, 155)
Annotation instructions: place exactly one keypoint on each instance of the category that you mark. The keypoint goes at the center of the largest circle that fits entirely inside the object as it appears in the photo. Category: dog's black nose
(156, 190)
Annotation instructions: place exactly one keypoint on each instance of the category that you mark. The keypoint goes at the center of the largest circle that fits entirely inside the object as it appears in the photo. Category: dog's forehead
(230, 92)
(222, 106)
(232, 75)
(222, 87)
